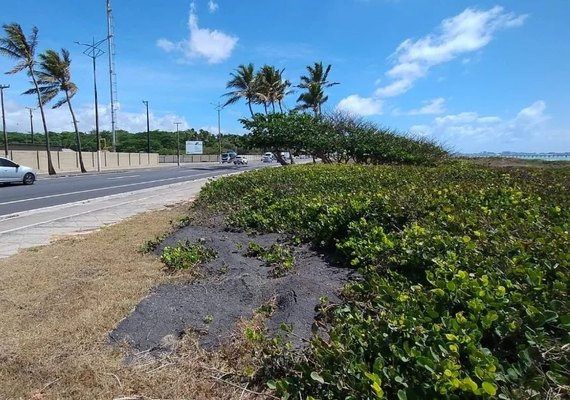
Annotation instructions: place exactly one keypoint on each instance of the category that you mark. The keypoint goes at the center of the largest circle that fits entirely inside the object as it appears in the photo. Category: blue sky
(475, 75)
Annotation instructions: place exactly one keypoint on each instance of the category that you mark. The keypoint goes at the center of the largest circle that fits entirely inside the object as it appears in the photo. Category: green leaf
(489, 388)
(402, 395)
(316, 377)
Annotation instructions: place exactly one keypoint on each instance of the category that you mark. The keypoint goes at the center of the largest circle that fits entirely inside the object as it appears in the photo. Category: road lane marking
(97, 189)
(123, 177)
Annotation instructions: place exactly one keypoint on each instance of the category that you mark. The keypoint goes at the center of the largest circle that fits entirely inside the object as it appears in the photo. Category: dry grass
(58, 302)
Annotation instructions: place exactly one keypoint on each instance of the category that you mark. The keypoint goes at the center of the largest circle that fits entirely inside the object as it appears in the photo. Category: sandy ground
(58, 304)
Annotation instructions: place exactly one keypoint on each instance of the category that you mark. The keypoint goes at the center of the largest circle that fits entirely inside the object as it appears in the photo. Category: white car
(12, 172)
(267, 157)
(240, 160)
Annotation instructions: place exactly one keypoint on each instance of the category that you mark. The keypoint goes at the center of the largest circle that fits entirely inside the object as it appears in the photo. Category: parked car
(12, 172)
(267, 157)
(240, 160)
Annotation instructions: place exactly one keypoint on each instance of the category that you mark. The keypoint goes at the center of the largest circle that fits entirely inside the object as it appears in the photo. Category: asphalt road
(54, 191)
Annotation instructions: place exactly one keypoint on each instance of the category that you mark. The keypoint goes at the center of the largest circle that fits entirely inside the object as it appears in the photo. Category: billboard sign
(194, 147)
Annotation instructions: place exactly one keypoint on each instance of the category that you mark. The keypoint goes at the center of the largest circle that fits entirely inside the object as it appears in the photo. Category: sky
(472, 75)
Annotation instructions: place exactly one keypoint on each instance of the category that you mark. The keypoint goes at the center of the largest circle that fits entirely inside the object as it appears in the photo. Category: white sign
(194, 147)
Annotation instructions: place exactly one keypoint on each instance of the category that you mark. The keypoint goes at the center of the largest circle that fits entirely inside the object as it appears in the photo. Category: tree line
(161, 142)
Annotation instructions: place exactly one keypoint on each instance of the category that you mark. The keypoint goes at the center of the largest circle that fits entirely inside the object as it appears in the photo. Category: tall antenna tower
(112, 73)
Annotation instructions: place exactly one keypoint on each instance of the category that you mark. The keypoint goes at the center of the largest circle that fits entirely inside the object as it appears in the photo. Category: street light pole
(31, 122)
(219, 109)
(177, 142)
(93, 51)
(145, 102)
(2, 87)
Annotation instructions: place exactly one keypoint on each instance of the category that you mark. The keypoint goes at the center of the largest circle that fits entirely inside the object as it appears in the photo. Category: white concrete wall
(68, 161)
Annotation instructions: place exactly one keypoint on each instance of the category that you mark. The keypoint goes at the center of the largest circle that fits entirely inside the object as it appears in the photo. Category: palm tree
(54, 76)
(282, 90)
(314, 84)
(313, 98)
(243, 81)
(270, 87)
(17, 46)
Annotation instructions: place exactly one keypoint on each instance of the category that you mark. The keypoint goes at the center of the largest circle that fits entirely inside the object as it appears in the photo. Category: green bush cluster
(340, 138)
(464, 288)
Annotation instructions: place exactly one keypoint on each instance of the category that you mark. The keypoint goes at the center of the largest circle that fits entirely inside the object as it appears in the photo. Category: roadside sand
(59, 302)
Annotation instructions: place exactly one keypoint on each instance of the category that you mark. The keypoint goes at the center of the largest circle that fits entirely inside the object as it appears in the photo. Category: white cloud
(470, 132)
(212, 45)
(212, 6)
(533, 114)
(58, 120)
(465, 33)
(354, 104)
(434, 106)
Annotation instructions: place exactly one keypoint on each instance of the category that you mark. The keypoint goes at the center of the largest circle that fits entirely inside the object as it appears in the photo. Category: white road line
(95, 190)
(123, 177)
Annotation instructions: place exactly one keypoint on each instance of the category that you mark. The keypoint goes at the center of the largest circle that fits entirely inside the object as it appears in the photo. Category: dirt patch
(231, 288)
(59, 302)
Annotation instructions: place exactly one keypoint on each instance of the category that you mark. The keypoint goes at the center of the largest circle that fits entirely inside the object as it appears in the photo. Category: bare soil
(61, 305)
(231, 288)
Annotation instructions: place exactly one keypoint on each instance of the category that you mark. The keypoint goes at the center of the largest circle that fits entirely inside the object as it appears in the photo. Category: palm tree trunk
(250, 109)
(280, 107)
(51, 169)
(273, 106)
(77, 137)
(265, 106)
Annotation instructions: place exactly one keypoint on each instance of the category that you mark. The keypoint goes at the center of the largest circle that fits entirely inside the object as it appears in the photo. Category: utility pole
(31, 122)
(93, 51)
(145, 102)
(219, 109)
(112, 74)
(177, 142)
(2, 87)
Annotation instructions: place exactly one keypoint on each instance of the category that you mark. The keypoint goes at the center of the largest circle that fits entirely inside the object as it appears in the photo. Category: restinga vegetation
(337, 137)
(464, 275)
(21, 48)
(54, 76)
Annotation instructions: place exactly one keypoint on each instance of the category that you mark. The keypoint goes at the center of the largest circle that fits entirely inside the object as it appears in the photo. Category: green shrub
(464, 289)
(277, 257)
(186, 255)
